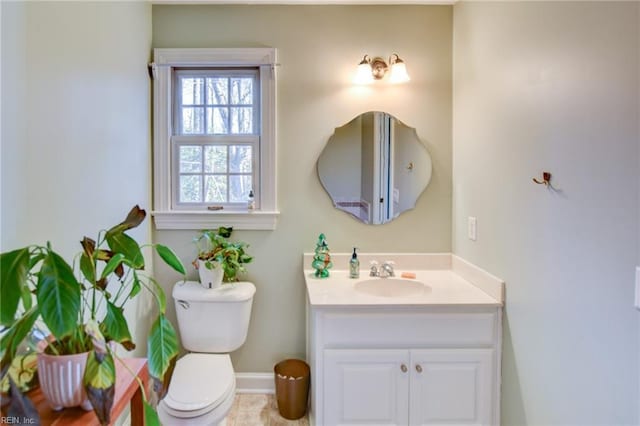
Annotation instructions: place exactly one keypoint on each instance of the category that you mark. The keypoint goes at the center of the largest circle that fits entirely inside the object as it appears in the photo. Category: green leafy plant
(215, 250)
(82, 305)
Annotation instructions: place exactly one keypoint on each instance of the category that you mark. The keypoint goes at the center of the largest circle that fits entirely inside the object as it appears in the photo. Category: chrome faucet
(384, 271)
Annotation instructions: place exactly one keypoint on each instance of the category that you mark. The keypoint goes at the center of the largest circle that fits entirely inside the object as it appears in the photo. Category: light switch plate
(472, 228)
(637, 302)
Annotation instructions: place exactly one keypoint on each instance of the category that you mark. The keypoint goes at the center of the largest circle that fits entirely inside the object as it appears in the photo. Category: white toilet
(212, 323)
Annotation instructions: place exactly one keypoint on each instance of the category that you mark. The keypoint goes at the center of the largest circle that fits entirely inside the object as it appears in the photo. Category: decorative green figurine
(322, 259)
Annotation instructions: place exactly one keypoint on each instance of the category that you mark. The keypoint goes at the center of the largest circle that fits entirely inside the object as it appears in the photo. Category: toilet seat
(199, 384)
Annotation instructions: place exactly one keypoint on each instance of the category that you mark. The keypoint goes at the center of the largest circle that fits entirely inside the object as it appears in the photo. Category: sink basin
(391, 287)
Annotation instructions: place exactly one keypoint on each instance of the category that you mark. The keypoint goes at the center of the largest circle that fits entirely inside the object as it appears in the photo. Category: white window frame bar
(166, 60)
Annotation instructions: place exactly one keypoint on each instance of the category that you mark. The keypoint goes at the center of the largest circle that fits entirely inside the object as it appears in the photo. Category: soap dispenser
(354, 265)
(251, 203)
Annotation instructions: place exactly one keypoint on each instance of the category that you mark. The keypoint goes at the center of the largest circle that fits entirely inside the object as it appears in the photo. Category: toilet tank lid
(232, 292)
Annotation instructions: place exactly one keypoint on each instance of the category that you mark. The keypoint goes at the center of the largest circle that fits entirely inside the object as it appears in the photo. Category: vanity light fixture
(370, 70)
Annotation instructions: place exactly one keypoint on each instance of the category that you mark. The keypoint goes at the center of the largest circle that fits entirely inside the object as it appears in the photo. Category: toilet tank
(213, 320)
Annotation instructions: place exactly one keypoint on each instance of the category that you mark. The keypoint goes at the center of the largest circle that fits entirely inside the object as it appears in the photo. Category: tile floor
(259, 410)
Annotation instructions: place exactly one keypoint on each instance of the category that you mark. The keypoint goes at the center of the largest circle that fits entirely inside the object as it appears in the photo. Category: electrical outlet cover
(472, 228)
(637, 301)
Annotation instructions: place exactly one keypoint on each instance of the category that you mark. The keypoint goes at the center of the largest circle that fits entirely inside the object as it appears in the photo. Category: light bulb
(363, 73)
(399, 72)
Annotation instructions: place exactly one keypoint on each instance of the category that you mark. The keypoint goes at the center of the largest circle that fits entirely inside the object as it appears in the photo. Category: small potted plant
(219, 260)
(82, 306)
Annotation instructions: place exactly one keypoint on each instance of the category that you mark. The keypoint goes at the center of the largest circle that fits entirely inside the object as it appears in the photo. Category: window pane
(239, 187)
(192, 121)
(217, 91)
(218, 121)
(240, 160)
(215, 159)
(190, 189)
(242, 120)
(215, 189)
(192, 90)
(241, 91)
(190, 159)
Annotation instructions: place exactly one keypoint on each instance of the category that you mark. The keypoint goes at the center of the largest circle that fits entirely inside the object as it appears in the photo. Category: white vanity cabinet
(404, 365)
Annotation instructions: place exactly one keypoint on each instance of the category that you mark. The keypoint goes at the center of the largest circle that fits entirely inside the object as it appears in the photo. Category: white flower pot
(60, 378)
(210, 278)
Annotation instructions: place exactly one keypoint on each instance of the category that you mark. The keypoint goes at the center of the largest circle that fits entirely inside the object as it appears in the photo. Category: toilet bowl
(201, 391)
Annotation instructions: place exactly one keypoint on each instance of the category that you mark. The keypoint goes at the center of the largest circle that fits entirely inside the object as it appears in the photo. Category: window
(214, 138)
(216, 135)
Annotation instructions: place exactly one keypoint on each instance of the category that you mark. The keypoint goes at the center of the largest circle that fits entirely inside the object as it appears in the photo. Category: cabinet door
(451, 387)
(366, 387)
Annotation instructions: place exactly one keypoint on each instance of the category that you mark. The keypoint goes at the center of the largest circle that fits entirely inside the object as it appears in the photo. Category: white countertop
(444, 286)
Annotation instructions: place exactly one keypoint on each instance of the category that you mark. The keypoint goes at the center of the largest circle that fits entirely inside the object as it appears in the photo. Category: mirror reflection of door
(382, 168)
(374, 167)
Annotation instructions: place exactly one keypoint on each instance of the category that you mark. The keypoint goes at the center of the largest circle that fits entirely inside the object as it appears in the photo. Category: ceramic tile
(253, 402)
(231, 417)
(252, 418)
(276, 420)
(259, 410)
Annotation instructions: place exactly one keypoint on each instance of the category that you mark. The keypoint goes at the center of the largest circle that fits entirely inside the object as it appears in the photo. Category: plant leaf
(135, 286)
(87, 268)
(115, 327)
(112, 264)
(161, 298)
(105, 255)
(99, 382)
(150, 415)
(162, 350)
(122, 243)
(88, 246)
(27, 298)
(58, 295)
(161, 387)
(16, 334)
(102, 284)
(134, 218)
(13, 278)
(225, 232)
(20, 407)
(92, 329)
(170, 258)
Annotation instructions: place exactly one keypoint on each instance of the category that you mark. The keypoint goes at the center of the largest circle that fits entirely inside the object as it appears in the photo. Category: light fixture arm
(366, 60)
(397, 59)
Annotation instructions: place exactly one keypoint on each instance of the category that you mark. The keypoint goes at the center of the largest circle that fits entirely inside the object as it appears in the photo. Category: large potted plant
(219, 259)
(82, 306)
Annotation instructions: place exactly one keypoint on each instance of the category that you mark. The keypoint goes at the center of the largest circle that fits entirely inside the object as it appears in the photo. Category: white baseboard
(255, 383)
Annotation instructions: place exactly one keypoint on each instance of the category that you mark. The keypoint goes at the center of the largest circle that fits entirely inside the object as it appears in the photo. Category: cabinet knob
(418, 368)
(403, 368)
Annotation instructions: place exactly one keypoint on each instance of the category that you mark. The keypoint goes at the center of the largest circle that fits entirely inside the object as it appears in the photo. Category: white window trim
(165, 60)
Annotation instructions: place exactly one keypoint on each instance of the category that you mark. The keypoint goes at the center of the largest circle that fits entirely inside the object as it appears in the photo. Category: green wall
(318, 50)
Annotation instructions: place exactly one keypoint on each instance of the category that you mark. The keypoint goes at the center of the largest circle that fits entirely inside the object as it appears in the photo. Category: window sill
(196, 220)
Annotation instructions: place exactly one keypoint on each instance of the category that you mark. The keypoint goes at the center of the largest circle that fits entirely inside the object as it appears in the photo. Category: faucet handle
(374, 268)
(388, 266)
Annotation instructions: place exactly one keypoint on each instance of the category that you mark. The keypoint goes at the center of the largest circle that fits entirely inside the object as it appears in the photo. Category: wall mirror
(374, 167)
